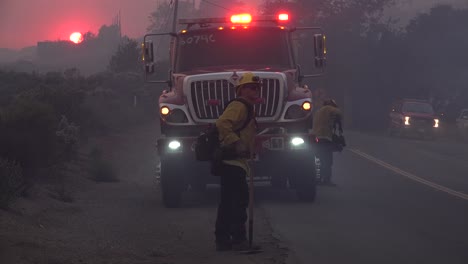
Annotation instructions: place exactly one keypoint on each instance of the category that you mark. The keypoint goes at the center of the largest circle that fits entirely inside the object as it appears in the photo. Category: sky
(25, 22)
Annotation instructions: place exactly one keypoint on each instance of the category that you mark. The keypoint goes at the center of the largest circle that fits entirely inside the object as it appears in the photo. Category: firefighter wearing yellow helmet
(325, 121)
(237, 128)
(248, 78)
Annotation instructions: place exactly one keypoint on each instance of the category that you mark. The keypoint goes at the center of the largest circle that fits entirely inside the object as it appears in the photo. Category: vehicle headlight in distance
(436, 122)
(174, 145)
(297, 141)
(407, 119)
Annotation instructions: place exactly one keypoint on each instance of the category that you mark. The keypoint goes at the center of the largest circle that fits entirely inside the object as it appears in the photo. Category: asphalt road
(397, 201)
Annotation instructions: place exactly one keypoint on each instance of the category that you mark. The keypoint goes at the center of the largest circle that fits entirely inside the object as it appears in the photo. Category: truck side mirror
(148, 56)
(320, 50)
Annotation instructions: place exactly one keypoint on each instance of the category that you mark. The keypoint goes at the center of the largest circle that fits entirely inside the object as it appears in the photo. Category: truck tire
(306, 188)
(304, 179)
(198, 186)
(172, 183)
(279, 181)
(318, 175)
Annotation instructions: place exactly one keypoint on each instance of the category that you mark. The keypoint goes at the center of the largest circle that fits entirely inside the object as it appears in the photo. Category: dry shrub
(11, 181)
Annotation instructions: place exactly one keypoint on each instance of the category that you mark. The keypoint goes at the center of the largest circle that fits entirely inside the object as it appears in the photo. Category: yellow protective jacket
(324, 119)
(232, 119)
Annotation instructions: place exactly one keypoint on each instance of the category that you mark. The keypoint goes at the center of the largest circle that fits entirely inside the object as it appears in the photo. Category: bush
(43, 116)
(27, 134)
(60, 193)
(100, 169)
(11, 180)
(111, 105)
(68, 140)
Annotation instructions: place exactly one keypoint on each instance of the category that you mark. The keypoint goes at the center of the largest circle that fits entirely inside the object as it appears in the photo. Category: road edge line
(409, 175)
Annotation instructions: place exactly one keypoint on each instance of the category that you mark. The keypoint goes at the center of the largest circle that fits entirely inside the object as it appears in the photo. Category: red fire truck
(207, 58)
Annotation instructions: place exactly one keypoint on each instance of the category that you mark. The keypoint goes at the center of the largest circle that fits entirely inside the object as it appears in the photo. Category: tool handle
(251, 201)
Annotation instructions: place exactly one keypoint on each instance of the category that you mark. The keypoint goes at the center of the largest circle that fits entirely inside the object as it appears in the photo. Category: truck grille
(209, 98)
(417, 121)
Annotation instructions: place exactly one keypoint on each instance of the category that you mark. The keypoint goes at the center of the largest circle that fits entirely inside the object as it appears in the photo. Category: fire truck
(207, 58)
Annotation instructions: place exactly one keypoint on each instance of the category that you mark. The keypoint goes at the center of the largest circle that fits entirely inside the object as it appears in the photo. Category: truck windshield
(251, 47)
(418, 108)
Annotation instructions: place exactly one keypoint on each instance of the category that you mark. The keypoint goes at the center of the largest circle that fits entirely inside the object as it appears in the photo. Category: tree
(161, 19)
(88, 36)
(436, 56)
(351, 27)
(127, 58)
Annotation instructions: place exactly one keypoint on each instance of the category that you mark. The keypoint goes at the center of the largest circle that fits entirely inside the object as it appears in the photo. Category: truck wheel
(305, 184)
(172, 183)
(302, 175)
(199, 176)
(198, 186)
(279, 181)
(307, 188)
(318, 175)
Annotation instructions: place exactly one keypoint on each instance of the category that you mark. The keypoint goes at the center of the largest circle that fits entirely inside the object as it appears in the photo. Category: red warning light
(283, 17)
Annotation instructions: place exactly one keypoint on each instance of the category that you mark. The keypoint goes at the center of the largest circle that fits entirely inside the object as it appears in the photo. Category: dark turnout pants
(324, 152)
(232, 209)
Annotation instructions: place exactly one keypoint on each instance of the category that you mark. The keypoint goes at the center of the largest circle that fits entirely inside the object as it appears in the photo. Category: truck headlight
(297, 141)
(436, 122)
(407, 119)
(174, 145)
(164, 110)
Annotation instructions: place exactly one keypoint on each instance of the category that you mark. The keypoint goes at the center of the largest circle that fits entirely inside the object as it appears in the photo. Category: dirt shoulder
(122, 222)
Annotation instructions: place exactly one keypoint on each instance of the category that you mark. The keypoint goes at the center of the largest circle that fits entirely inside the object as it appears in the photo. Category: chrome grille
(220, 92)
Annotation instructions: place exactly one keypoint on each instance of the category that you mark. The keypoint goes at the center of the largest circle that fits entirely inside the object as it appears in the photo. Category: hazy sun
(76, 37)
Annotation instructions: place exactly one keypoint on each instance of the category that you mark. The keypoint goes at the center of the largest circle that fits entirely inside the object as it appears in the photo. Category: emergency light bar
(241, 19)
(283, 17)
(237, 19)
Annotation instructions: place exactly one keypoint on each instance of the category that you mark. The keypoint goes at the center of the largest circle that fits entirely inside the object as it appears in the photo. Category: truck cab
(207, 59)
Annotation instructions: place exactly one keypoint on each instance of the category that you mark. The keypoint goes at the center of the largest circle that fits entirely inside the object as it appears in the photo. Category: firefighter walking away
(326, 121)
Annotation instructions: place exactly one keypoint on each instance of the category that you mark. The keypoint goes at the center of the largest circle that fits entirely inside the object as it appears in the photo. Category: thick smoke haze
(25, 22)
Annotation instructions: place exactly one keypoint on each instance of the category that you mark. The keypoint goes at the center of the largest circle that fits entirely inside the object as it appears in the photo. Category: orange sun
(76, 37)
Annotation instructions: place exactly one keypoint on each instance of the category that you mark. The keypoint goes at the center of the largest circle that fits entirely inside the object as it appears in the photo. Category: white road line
(409, 175)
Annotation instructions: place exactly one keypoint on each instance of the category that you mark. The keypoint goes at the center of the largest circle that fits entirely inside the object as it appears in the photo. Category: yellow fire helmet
(246, 78)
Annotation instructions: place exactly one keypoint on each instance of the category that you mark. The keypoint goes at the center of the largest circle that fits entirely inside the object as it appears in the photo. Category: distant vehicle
(413, 117)
(462, 124)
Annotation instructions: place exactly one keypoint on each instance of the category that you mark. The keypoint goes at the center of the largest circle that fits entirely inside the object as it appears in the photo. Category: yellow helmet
(249, 77)
(246, 78)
